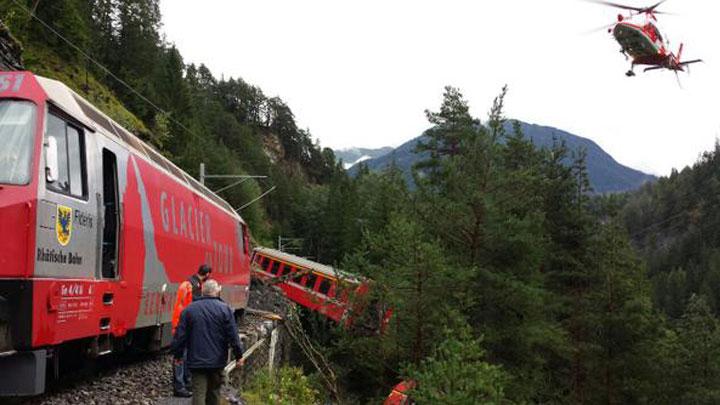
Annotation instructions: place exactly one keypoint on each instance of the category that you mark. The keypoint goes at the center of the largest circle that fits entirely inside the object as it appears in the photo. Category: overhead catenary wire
(255, 199)
(237, 183)
(102, 67)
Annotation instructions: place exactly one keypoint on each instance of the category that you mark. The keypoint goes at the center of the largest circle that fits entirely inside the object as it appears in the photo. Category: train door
(67, 237)
(110, 211)
(108, 269)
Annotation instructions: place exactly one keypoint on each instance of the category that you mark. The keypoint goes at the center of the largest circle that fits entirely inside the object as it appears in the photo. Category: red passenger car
(97, 230)
(335, 294)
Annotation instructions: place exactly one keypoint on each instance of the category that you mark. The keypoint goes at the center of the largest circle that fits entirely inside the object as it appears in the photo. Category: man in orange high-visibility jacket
(189, 291)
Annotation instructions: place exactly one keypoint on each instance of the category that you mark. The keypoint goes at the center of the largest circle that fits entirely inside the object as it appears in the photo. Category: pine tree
(137, 54)
(699, 333)
(452, 126)
(410, 275)
(618, 309)
(457, 373)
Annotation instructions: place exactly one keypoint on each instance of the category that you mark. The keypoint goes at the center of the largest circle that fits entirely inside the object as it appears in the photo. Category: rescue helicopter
(641, 40)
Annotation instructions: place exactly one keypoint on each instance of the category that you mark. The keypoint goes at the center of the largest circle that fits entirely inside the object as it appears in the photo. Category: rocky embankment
(10, 50)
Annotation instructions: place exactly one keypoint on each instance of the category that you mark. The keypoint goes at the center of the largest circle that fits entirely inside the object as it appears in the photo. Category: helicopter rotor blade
(639, 10)
(617, 5)
(597, 29)
(687, 62)
(653, 7)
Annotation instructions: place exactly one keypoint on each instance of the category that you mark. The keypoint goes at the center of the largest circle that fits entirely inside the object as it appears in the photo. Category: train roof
(90, 116)
(309, 264)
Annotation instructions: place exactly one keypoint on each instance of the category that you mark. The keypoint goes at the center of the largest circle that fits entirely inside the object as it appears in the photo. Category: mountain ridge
(606, 174)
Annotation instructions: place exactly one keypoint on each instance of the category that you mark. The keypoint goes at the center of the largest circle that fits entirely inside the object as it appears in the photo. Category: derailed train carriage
(97, 231)
(339, 296)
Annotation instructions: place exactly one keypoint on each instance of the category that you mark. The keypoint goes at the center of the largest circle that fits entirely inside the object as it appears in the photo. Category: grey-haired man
(207, 328)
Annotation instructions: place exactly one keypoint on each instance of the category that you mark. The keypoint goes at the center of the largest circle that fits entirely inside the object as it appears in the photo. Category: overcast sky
(361, 73)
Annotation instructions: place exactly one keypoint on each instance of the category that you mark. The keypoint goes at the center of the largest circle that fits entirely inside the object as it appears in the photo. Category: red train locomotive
(97, 230)
(337, 295)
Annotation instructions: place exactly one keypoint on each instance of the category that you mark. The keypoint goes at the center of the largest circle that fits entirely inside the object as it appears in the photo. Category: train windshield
(17, 126)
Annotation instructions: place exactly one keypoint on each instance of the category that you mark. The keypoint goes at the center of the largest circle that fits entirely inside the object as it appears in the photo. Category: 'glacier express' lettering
(181, 219)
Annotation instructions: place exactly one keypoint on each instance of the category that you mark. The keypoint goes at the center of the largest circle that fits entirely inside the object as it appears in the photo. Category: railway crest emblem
(63, 224)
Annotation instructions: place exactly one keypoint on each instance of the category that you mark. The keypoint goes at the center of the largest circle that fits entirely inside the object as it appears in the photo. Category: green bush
(286, 386)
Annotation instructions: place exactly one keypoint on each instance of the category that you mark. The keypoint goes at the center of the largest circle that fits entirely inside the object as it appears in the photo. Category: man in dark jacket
(207, 327)
(188, 291)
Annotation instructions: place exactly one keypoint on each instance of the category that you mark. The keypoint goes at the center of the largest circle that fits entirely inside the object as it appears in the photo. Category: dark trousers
(206, 383)
(181, 375)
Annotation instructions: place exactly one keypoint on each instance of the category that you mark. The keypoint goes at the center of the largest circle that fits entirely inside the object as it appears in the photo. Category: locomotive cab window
(17, 127)
(70, 143)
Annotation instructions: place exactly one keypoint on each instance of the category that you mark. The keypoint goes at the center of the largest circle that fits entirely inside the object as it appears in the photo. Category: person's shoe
(182, 394)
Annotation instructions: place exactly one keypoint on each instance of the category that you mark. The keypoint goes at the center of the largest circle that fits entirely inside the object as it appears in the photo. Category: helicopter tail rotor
(679, 55)
(679, 65)
(688, 62)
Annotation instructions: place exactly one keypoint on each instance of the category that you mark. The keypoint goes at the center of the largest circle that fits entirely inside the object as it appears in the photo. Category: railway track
(130, 379)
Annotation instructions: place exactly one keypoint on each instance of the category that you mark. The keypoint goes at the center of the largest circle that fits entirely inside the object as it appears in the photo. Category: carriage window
(71, 157)
(287, 269)
(310, 280)
(324, 286)
(275, 267)
(271, 265)
(298, 278)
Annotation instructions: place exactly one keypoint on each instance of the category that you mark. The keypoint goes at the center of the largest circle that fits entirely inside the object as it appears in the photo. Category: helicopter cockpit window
(655, 33)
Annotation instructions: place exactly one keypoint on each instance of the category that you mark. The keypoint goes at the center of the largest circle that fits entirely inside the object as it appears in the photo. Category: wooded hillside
(116, 57)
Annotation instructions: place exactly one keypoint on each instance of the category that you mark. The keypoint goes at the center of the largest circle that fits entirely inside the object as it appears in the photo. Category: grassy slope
(46, 63)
